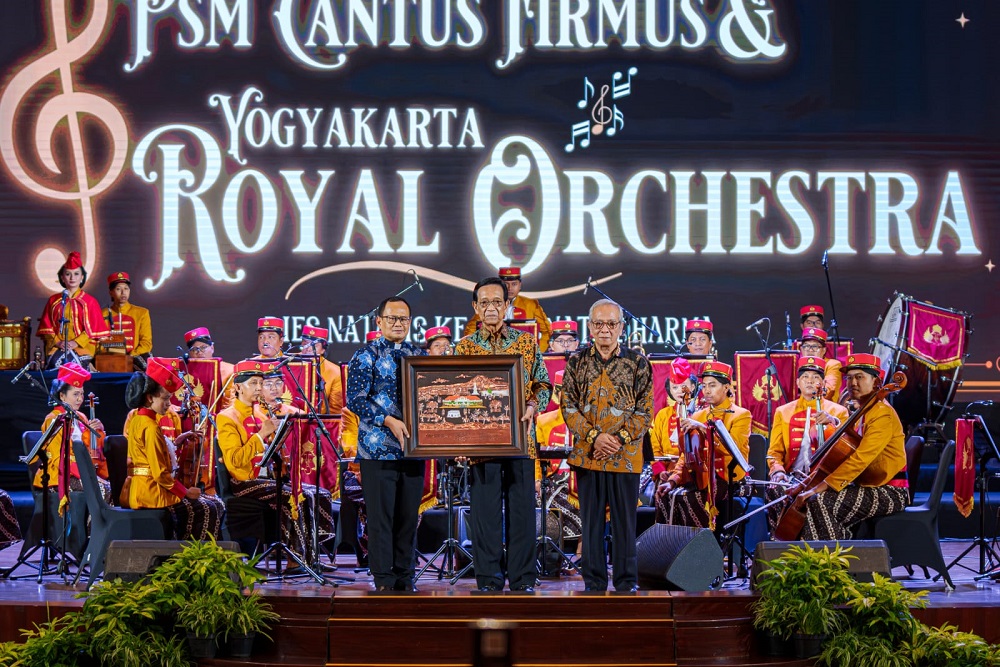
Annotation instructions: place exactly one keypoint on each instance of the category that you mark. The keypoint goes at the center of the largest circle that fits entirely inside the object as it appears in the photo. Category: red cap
(698, 326)
(250, 368)
(163, 371)
(557, 379)
(315, 333)
(73, 374)
(564, 327)
(73, 261)
(119, 277)
(814, 364)
(509, 273)
(437, 332)
(372, 335)
(193, 336)
(865, 362)
(272, 369)
(809, 310)
(717, 369)
(812, 333)
(271, 324)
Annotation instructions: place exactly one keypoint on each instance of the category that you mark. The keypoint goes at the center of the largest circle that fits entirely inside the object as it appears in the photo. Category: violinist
(798, 429)
(194, 515)
(84, 327)
(690, 486)
(67, 388)
(664, 434)
(870, 482)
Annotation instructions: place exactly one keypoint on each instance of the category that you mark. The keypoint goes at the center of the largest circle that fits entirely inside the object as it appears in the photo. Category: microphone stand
(373, 311)
(67, 354)
(625, 311)
(834, 327)
(771, 374)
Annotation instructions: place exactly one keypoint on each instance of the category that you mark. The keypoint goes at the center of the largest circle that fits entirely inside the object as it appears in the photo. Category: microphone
(757, 323)
(416, 279)
(788, 332)
(826, 262)
(21, 374)
(284, 362)
(185, 355)
(587, 286)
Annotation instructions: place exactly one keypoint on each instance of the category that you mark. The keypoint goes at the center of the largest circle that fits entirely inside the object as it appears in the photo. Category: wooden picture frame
(464, 406)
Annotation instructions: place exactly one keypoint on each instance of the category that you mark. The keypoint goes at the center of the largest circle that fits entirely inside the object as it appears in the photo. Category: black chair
(914, 453)
(758, 456)
(109, 523)
(116, 454)
(76, 513)
(912, 535)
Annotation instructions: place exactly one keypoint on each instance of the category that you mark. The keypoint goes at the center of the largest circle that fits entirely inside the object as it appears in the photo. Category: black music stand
(729, 541)
(543, 541)
(451, 544)
(272, 456)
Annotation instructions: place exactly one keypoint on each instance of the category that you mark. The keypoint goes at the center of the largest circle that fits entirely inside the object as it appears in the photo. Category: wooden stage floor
(559, 624)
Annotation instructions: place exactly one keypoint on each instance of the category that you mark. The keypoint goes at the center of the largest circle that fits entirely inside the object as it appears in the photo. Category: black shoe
(383, 589)
(489, 588)
(525, 588)
(633, 589)
(404, 587)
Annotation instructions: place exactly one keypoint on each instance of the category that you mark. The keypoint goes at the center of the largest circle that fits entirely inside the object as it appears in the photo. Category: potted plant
(249, 616)
(946, 646)
(204, 616)
(800, 593)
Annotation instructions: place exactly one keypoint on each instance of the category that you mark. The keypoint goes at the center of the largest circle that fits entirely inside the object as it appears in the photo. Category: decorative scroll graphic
(63, 175)
(601, 115)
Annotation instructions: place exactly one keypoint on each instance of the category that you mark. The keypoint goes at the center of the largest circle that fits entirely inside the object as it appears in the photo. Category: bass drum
(928, 395)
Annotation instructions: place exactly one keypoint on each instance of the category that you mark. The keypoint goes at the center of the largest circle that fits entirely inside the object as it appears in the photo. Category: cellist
(693, 503)
(871, 482)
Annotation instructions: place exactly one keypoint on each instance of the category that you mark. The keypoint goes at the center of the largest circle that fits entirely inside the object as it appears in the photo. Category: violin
(193, 468)
(839, 446)
(695, 467)
(100, 463)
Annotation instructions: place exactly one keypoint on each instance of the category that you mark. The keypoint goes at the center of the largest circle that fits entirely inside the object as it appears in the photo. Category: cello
(839, 446)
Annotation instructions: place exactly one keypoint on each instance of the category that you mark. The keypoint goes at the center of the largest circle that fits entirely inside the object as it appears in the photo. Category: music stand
(543, 541)
(731, 540)
(450, 544)
(271, 455)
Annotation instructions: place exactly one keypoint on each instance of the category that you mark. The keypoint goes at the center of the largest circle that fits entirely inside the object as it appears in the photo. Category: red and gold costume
(134, 322)
(833, 378)
(86, 324)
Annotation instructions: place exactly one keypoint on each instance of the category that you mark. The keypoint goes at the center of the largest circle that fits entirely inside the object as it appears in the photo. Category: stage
(559, 624)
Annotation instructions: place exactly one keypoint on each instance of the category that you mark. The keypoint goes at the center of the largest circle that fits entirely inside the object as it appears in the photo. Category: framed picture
(464, 406)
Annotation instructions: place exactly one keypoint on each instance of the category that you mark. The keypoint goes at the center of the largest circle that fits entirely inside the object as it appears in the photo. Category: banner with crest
(965, 466)
(300, 374)
(936, 336)
(553, 364)
(752, 386)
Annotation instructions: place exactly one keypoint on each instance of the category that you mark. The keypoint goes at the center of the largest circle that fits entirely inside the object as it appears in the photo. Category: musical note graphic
(600, 113)
(588, 92)
(622, 89)
(63, 111)
(617, 122)
(581, 129)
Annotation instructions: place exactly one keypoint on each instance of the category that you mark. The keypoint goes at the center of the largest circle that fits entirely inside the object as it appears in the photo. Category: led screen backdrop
(697, 158)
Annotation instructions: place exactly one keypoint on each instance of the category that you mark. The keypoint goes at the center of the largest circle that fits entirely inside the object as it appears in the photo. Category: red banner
(965, 465)
(303, 373)
(833, 350)
(936, 336)
(553, 364)
(752, 387)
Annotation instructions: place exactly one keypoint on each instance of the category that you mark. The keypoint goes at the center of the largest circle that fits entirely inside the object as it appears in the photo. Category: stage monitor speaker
(678, 558)
(131, 560)
(871, 556)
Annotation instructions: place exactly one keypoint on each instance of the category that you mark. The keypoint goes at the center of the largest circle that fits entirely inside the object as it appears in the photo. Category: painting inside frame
(464, 406)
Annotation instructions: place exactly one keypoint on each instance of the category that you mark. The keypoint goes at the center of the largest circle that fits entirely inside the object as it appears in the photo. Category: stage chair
(76, 540)
(109, 523)
(914, 453)
(248, 521)
(912, 535)
(116, 454)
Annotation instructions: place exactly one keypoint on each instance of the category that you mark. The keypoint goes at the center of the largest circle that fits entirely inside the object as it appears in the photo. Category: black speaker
(871, 556)
(678, 558)
(131, 560)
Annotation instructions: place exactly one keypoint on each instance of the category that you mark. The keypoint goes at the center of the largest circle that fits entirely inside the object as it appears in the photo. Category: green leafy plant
(947, 647)
(204, 567)
(853, 648)
(883, 609)
(10, 653)
(56, 643)
(250, 615)
(205, 615)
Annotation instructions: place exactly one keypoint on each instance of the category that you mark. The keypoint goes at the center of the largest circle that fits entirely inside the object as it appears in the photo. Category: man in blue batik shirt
(392, 485)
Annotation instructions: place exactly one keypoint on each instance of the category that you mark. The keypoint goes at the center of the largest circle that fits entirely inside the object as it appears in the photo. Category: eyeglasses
(597, 324)
(198, 349)
(395, 319)
(812, 346)
(491, 303)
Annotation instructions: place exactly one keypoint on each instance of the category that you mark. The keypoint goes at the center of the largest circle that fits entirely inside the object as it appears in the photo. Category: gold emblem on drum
(760, 389)
(936, 335)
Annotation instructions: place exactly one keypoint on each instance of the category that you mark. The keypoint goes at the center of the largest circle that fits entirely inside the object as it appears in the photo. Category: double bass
(839, 446)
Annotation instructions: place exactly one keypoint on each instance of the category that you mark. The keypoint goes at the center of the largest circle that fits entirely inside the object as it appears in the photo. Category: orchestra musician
(795, 430)
(811, 317)
(68, 389)
(813, 344)
(86, 326)
(688, 490)
(872, 481)
(194, 515)
(438, 341)
(607, 403)
(699, 338)
(314, 343)
(510, 481)
(200, 345)
(665, 434)
(10, 529)
(565, 337)
(127, 318)
(518, 307)
(393, 484)
(242, 439)
(270, 336)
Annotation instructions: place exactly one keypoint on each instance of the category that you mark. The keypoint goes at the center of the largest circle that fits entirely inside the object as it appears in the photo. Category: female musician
(85, 322)
(10, 530)
(693, 503)
(665, 435)
(797, 427)
(870, 482)
(242, 440)
(67, 388)
(194, 516)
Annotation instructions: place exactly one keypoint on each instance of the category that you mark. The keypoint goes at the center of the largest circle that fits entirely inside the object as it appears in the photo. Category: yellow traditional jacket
(134, 321)
(153, 484)
(880, 457)
(788, 430)
(239, 441)
(833, 379)
(737, 421)
(54, 445)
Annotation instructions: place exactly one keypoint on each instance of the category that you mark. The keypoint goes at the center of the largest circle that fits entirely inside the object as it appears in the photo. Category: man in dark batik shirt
(607, 402)
(512, 479)
(392, 485)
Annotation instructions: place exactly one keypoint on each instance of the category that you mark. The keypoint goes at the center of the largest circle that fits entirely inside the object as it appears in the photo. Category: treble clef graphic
(71, 105)
(600, 112)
